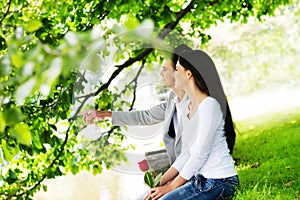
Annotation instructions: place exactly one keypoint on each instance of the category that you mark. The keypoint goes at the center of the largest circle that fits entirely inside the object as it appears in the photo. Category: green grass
(267, 156)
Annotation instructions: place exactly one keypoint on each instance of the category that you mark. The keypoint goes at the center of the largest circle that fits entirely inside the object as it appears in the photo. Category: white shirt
(178, 107)
(204, 146)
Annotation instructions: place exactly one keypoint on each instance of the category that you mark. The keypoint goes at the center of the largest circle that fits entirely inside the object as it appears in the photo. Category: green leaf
(34, 25)
(12, 177)
(157, 180)
(2, 122)
(2, 43)
(24, 90)
(148, 179)
(44, 188)
(37, 142)
(5, 68)
(13, 116)
(97, 170)
(22, 133)
(131, 22)
(17, 60)
(8, 152)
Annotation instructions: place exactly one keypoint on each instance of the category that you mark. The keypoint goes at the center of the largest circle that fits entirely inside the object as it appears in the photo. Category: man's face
(179, 76)
(166, 73)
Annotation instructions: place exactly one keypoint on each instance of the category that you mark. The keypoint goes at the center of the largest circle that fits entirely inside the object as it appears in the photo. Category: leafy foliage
(43, 44)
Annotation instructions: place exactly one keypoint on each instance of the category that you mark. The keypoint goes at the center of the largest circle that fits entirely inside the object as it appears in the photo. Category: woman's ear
(188, 74)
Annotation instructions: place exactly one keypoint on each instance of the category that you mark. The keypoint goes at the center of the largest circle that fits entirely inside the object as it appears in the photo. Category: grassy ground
(267, 156)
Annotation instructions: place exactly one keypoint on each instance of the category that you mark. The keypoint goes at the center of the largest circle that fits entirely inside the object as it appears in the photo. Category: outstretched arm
(153, 115)
(90, 116)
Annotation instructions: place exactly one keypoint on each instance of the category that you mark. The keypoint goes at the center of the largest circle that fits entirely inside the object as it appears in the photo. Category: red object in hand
(143, 165)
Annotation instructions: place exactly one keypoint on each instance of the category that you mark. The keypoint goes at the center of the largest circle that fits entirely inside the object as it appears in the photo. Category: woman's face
(166, 73)
(180, 76)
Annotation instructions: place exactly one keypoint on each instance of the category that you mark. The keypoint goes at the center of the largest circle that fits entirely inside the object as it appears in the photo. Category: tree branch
(56, 158)
(169, 27)
(7, 11)
(146, 52)
(135, 84)
(44, 176)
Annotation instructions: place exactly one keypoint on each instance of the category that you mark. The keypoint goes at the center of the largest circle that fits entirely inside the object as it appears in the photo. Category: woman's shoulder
(210, 100)
(210, 103)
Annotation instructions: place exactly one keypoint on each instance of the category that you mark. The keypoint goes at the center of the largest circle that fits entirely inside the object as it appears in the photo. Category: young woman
(205, 169)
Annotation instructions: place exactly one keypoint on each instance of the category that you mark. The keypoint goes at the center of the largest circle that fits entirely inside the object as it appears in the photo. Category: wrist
(172, 187)
(103, 114)
(162, 182)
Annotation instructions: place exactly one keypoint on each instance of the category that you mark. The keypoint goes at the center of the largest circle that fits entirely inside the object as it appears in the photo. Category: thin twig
(135, 84)
(7, 11)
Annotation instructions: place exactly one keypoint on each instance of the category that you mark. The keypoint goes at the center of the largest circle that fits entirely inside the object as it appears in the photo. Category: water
(110, 185)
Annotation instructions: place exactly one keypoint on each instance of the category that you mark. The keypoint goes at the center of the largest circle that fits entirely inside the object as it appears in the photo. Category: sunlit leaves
(131, 22)
(36, 142)
(11, 178)
(2, 43)
(24, 90)
(104, 101)
(2, 122)
(13, 116)
(5, 67)
(17, 60)
(22, 133)
(97, 170)
(8, 151)
(33, 25)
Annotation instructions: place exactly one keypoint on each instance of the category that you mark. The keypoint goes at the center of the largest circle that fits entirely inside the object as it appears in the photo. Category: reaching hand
(90, 116)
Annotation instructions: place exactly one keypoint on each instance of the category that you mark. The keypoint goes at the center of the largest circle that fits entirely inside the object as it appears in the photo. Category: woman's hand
(157, 192)
(90, 116)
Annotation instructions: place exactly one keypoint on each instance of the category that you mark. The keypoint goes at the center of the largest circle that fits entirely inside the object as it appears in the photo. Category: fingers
(82, 113)
(88, 116)
(148, 196)
(155, 194)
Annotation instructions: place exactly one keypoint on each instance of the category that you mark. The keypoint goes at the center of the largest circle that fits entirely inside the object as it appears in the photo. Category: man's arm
(153, 115)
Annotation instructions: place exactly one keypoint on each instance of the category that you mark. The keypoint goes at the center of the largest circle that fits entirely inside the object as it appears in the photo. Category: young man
(167, 112)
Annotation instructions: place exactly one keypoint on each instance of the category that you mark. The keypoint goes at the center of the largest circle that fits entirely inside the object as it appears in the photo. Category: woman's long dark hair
(177, 51)
(208, 81)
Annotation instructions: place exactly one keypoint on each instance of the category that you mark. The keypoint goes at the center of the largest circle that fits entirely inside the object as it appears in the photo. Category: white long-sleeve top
(204, 146)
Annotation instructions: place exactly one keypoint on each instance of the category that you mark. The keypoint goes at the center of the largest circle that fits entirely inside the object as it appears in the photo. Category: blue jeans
(199, 187)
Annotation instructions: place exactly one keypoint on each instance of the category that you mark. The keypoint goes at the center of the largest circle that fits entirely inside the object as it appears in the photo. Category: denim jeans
(199, 187)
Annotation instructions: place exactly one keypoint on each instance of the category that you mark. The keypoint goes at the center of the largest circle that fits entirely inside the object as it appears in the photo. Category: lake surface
(110, 185)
